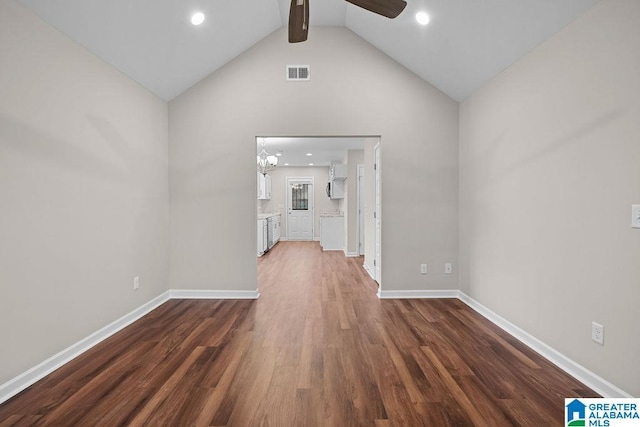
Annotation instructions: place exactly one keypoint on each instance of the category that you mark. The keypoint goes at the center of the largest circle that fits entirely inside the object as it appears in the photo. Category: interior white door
(378, 246)
(300, 208)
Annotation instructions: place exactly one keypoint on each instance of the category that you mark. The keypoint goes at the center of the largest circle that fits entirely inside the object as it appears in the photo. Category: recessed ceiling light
(310, 164)
(422, 18)
(309, 154)
(286, 164)
(278, 154)
(197, 18)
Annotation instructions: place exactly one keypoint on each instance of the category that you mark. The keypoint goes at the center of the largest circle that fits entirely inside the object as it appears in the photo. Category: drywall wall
(83, 192)
(549, 155)
(212, 130)
(278, 202)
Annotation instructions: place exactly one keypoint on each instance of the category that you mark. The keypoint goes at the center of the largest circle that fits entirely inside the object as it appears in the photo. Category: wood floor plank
(20, 421)
(399, 365)
(318, 348)
(455, 391)
(167, 388)
(225, 375)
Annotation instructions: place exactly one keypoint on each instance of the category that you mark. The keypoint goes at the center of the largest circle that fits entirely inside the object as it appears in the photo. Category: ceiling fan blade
(388, 8)
(298, 21)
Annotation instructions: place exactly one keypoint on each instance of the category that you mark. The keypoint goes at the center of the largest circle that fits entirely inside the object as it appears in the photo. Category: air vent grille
(298, 72)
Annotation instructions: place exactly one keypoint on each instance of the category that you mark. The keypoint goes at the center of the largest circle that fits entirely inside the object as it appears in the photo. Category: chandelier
(266, 162)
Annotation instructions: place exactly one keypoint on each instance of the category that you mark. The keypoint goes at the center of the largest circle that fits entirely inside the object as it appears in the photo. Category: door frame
(377, 248)
(304, 179)
(360, 236)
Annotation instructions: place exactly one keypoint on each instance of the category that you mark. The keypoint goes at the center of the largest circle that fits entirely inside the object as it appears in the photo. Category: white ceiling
(466, 44)
(324, 150)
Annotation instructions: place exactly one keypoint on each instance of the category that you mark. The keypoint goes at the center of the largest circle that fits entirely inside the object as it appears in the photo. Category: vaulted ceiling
(466, 43)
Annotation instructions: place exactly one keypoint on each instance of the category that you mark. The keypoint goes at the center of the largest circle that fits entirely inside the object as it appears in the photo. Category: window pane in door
(300, 197)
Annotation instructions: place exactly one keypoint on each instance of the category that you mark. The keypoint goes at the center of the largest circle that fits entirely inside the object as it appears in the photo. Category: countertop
(331, 214)
(268, 215)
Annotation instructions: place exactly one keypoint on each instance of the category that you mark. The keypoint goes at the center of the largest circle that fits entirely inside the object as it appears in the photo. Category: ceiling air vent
(298, 72)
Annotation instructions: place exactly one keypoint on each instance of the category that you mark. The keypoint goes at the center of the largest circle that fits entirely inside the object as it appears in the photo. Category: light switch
(635, 216)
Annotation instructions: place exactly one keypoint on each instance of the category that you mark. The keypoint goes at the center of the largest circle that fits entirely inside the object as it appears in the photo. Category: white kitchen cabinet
(264, 186)
(276, 229)
(262, 236)
(336, 189)
(337, 171)
(267, 186)
(332, 233)
(337, 178)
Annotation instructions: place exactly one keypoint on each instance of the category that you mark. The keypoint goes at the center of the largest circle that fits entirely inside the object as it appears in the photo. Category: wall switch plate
(635, 216)
(448, 268)
(597, 333)
(423, 268)
(136, 283)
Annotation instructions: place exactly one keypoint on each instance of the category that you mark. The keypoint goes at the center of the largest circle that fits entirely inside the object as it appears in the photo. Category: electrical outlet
(136, 283)
(423, 268)
(597, 333)
(448, 268)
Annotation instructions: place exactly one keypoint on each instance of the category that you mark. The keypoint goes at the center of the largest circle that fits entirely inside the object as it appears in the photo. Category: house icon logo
(576, 413)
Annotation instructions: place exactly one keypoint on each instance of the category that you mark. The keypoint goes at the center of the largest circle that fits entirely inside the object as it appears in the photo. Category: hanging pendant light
(266, 162)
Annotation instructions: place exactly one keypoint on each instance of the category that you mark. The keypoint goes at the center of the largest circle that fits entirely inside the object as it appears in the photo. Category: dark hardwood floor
(316, 349)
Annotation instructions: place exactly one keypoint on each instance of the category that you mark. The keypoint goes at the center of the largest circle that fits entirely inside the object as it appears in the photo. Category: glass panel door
(300, 209)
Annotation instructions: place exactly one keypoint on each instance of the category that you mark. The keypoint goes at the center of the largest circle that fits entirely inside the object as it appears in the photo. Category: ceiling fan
(299, 14)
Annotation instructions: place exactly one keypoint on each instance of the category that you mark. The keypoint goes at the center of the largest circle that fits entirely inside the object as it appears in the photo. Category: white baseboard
(418, 294)
(350, 254)
(579, 372)
(582, 374)
(24, 380)
(211, 294)
(368, 270)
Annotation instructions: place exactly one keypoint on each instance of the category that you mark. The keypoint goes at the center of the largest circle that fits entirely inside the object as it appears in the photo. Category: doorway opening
(316, 180)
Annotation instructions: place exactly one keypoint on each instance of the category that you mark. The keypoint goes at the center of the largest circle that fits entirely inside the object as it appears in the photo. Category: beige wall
(549, 155)
(278, 202)
(83, 192)
(212, 134)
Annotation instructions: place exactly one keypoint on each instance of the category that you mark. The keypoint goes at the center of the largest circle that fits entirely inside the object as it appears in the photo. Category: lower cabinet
(332, 233)
(276, 229)
(268, 233)
(262, 236)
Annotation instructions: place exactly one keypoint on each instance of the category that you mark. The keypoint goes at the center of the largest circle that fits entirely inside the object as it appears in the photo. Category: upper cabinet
(335, 189)
(337, 171)
(264, 187)
(337, 177)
